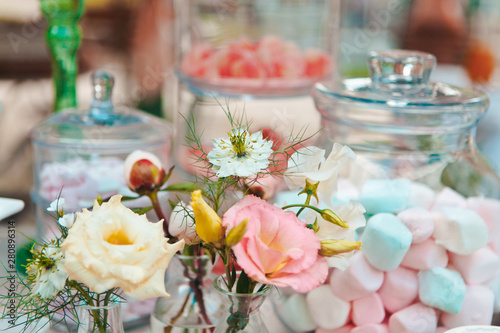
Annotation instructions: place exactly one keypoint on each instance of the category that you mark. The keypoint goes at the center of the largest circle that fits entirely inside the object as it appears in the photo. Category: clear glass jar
(80, 153)
(417, 164)
(257, 47)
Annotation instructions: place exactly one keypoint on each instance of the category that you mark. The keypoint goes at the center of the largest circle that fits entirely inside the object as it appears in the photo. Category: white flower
(309, 163)
(181, 225)
(352, 213)
(111, 246)
(49, 274)
(242, 154)
(57, 206)
(67, 220)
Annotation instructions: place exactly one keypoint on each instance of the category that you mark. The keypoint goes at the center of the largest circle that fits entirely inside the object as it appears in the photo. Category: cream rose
(111, 246)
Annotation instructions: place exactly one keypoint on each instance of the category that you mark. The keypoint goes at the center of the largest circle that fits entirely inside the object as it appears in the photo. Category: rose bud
(181, 225)
(143, 171)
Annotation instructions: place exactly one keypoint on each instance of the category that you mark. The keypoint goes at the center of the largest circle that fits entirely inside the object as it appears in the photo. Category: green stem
(153, 196)
(316, 209)
(308, 201)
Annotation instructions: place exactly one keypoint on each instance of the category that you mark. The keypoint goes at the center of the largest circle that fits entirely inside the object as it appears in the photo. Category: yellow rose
(111, 246)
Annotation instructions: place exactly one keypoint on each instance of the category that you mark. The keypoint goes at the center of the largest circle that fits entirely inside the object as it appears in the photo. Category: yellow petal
(330, 216)
(208, 223)
(235, 235)
(332, 247)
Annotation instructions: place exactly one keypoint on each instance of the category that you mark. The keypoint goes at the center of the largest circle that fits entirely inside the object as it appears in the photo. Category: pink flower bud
(143, 171)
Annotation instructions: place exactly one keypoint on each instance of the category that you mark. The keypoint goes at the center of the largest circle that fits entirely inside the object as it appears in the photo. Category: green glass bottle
(63, 37)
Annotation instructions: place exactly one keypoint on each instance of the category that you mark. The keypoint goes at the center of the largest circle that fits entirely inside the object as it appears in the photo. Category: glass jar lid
(103, 126)
(400, 79)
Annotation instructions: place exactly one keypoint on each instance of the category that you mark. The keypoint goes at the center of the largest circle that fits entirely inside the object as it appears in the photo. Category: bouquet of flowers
(111, 248)
(229, 217)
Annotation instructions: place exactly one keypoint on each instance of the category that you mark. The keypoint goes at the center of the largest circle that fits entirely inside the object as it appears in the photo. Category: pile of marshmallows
(269, 57)
(429, 262)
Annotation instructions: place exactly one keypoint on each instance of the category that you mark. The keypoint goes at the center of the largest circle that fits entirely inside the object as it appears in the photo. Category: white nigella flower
(49, 276)
(57, 206)
(67, 220)
(242, 154)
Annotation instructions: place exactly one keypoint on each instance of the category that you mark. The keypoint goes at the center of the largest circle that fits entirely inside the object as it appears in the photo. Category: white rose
(181, 225)
(111, 246)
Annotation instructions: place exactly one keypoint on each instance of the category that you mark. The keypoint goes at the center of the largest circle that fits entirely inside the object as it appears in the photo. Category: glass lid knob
(101, 106)
(400, 70)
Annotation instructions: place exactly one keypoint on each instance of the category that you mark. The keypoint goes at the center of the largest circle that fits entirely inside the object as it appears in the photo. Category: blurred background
(133, 39)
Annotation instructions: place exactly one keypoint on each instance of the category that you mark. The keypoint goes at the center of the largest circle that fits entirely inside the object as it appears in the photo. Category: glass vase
(242, 311)
(100, 319)
(194, 305)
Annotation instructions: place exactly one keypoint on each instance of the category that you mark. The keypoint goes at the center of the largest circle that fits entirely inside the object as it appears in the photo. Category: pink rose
(277, 248)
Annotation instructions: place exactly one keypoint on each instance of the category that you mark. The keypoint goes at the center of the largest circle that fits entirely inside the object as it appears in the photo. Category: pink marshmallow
(449, 198)
(441, 329)
(477, 308)
(327, 310)
(425, 256)
(399, 290)
(358, 280)
(371, 328)
(343, 329)
(421, 195)
(416, 318)
(368, 310)
(489, 210)
(419, 221)
(479, 267)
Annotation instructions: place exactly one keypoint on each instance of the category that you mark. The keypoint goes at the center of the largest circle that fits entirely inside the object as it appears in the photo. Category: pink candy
(425, 255)
(270, 57)
(359, 280)
(477, 308)
(368, 310)
(400, 289)
(416, 318)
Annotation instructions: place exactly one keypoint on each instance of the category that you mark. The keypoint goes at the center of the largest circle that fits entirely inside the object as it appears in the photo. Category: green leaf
(142, 210)
(181, 187)
(243, 284)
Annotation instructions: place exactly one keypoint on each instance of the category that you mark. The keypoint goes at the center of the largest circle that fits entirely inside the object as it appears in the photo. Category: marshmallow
(421, 196)
(371, 328)
(358, 280)
(441, 288)
(489, 210)
(441, 329)
(416, 318)
(343, 329)
(385, 241)
(296, 314)
(477, 308)
(368, 310)
(478, 267)
(459, 230)
(327, 310)
(400, 289)
(419, 221)
(385, 195)
(425, 256)
(449, 198)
